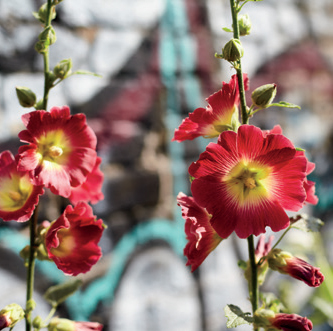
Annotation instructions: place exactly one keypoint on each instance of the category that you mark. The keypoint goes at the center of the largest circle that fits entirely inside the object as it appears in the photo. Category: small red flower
(201, 237)
(61, 151)
(297, 268)
(221, 114)
(291, 322)
(247, 179)
(64, 324)
(72, 240)
(90, 190)
(18, 196)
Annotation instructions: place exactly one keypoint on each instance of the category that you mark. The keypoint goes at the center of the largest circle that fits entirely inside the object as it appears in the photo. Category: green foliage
(306, 223)
(236, 316)
(59, 293)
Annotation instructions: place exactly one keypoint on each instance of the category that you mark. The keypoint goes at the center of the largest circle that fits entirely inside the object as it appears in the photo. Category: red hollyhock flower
(293, 266)
(64, 324)
(309, 185)
(247, 179)
(221, 114)
(202, 238)
(61, 151)
(18, 196)
(72, 240)
(90, 190)
(291, 322)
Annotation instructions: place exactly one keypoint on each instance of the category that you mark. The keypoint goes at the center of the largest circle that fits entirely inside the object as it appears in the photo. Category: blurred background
(157, 64)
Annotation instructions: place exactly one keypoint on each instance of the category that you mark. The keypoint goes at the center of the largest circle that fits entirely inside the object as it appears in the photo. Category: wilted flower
(61, 151)
(247, 179)
(201, 237)
(72, 240)
(18, 196)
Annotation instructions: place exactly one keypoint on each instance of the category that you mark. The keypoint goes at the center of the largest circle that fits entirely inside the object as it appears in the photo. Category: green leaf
(59, 293)
(271, 302)
(236, 317)
(283, 104)
(300, 149)
(306, 223)
(227, 30)
(85, 72)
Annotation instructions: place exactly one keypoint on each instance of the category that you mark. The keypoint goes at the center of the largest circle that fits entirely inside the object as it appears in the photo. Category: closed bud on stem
(233, 50)
(41, 15)
(295, 267)
(63, 68)
(10, 315)
(26, 97)
(48, 35)
(262, 317)
(37, 323)
(245, 25)
(42, 46)
(264, 95)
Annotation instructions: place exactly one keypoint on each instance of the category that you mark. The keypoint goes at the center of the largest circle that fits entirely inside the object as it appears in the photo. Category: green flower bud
(26, 97)
(38, 323)
(48, 35)
(10, 315)
(276, 259)
(41, 15)
(63, 68)
(233, 50)
(245, 25)
(264, 95)
(42, 46)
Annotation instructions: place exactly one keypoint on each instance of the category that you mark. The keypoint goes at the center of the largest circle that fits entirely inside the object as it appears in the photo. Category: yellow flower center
(66, 243)
(55, 151)
(14, 192)
(248, 182)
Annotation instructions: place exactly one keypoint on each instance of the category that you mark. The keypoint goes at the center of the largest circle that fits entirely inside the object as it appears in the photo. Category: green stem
(254, 289)
(235, 26)
(31, 269)
(47, 86)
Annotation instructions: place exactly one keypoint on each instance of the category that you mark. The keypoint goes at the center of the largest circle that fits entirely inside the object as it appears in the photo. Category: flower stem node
(10, 315)
(63, 68)
(245, 25)
(263, 95)
(233, 50)
(26, 97)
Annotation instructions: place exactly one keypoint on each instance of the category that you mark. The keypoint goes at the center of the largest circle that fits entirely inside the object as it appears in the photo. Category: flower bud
(63, 68)
(285, 263)
(37, 323)
(263, 95)
(41, 46)
(233, 50)
(61, 324)
(26, 97)
(41, 15)
(245, 25)
(48, 35)
(10, 315)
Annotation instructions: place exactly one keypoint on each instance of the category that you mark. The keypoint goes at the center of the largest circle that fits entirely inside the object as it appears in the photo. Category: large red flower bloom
(90, 190)
(247, 179)
(61, 151)
(221, 114)
(18, 196)
(201, 237)
(72, 240)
